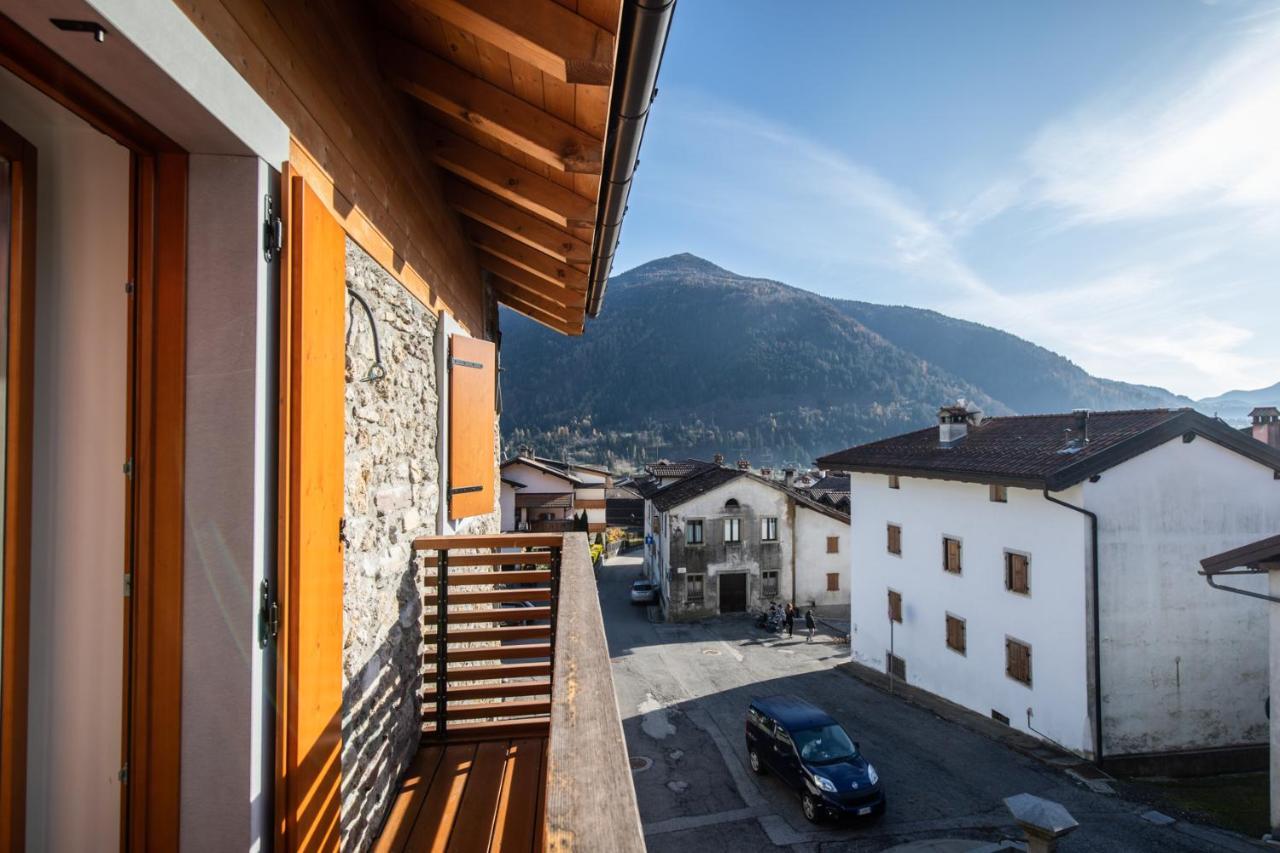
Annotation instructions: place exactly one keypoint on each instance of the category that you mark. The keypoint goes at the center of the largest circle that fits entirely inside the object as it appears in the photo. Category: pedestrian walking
(809, 624)
(791, 619)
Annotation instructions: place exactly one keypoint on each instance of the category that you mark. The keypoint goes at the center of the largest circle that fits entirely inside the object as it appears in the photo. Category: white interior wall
(78, 491)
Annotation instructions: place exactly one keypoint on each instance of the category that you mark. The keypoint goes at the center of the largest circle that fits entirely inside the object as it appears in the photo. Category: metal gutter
(1097, 624)
(643, 33)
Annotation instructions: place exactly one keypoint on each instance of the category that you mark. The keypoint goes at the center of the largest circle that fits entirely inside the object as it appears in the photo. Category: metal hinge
(342, 532)
(128, 585)
(128, 468)
(128, 287)
(272, 231)
(123, 775)
(268, 615)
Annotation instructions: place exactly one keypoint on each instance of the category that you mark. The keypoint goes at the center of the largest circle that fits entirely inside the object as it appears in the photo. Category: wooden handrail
(591, 800)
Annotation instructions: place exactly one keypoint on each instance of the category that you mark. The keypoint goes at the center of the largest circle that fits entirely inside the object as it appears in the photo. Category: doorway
(733, 593)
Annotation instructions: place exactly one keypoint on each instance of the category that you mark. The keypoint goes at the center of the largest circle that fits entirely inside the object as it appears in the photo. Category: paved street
(683, 692)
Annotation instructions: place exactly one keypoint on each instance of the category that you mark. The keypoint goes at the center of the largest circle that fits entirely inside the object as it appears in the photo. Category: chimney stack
(954, 422)
(767, 473)
(788, 476)
(718, 459)
(1266, 425)
(1081, 426)
(743, 464)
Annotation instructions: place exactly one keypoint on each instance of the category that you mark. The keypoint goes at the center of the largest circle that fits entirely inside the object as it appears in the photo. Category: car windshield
(642, 586)
(824, 744)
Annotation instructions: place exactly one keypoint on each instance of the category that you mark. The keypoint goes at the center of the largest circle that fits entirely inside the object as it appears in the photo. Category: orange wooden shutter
(309, 680)
(471, 424)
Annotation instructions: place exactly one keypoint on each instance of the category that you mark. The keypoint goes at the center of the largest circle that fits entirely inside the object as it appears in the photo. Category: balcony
(522, 745)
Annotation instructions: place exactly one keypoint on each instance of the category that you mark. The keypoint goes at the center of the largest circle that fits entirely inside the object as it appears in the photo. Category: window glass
(693, 532)
(770, 583)
(769, 529)
(693, 587)
(824, 745)
(732, 530)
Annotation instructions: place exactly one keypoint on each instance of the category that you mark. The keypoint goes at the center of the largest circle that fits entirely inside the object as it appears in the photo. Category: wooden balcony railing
(522, 741)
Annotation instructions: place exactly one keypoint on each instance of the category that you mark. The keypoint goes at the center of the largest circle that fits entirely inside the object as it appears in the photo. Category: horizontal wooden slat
(490, 109)
(483, 710)
(524, 256)
(498, 614)
(491, 635)
(509, 180)
(484, 578)
(485, 540)
(566, 293)
(492, 596)
(516, 222)
(486, 673)
(549, 320)
(510, 652)
(506, 558)
(536, 687)
(532, 727)
(509, 292)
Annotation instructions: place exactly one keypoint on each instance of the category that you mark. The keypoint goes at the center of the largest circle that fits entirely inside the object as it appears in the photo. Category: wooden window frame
(1009, 644)
(893, 539)
(154, 523)
(833, 581)
(833, 544)
(998, 493)
(895, 606)
(691, 524)
(947, 562)
(1009, 572)
(957, 628)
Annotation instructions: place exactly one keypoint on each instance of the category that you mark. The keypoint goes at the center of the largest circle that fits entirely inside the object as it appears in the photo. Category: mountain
(1234, 406)
(690, 359)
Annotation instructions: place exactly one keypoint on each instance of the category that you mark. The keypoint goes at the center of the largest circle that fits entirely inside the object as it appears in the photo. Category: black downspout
(1097, 623)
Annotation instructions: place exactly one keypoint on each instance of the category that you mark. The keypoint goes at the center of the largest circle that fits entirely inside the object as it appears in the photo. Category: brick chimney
(767, 473)
(1266, 425)
(743, 464)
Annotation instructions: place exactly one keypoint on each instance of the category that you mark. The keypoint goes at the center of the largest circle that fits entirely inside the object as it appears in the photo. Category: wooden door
(733, 593)
(309, 664)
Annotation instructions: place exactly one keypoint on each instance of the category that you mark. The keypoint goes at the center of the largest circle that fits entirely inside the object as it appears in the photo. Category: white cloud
(1210, 141)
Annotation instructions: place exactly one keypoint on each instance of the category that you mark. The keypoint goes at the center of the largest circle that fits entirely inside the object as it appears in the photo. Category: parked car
(813, 755)
(643, 592)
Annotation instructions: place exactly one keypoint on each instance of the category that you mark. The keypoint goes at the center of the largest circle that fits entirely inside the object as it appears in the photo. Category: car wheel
(812, 811)
(756, 767)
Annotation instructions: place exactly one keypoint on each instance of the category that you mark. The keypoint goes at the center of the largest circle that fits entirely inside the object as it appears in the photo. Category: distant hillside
(690, 359)
(1234, 406)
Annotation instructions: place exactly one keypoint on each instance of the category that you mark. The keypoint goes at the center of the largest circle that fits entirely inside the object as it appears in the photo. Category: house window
(893, 481)
(833, 581)
(895, 606)
(895, 539)
(955, 634)
(732, 530)
(768, 530)
(770, 583)
(693, 587)
(693, 532)
(1017, 660)
(833, 544)
(1017, 573)
(951, 555)
(999, 494)
(895, 666)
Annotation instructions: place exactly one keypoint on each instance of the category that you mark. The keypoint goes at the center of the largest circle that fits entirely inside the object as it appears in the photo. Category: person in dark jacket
(809, 623)
(790, 618)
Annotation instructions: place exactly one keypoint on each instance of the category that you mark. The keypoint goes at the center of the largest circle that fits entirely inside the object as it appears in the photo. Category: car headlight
(824, 783)
(872, 775)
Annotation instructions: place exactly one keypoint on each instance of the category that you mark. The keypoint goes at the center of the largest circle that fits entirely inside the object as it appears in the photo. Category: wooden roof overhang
(516, 103)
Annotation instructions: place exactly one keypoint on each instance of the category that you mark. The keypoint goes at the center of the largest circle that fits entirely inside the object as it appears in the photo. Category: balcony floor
(485, 795)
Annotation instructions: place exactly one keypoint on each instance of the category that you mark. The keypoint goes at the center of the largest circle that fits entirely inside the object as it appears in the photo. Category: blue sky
(1102, 178)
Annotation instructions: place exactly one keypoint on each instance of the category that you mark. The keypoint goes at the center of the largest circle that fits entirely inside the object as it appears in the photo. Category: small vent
(998, 717)
(897, 667)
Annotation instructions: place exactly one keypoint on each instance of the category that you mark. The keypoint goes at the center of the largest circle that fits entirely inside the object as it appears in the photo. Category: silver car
(643, 592)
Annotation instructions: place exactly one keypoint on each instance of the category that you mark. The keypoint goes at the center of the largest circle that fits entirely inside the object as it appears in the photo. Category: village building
(546, 495)
(1034, 569)
(729, 541)
(256, 251)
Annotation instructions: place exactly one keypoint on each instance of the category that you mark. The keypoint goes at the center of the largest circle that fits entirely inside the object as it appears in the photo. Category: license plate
(864, 810)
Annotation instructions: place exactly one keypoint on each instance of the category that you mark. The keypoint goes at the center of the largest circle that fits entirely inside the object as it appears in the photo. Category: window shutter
(472, 380)
(833, 581)
(833, 544)
(952, 555)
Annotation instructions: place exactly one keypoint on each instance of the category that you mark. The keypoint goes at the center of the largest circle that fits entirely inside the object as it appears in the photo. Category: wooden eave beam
(543, 33)
(509, 181)
(538, 287)
(490, 109)
(525, 257)
(573, 297)
(506, 290)
(537, 314)
(490, 210)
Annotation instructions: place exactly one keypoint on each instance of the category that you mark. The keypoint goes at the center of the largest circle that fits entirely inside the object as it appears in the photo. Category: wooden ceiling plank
(541, 32)
(528, 258)
(489, 108)
(506, 289)
(479, 205)
(571, 296)
(509, 181)
(533, 313)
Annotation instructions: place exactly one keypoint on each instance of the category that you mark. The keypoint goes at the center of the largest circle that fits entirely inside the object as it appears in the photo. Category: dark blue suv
(812, 754)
